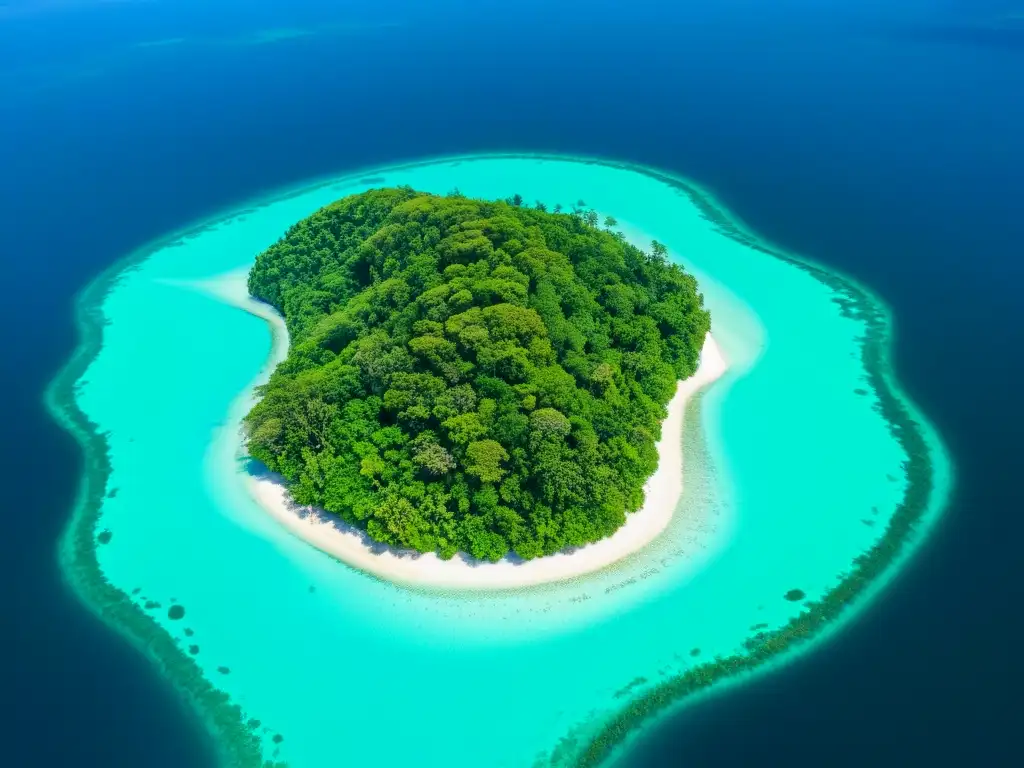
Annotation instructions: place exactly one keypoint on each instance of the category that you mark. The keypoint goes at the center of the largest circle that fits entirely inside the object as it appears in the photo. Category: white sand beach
(331, 535)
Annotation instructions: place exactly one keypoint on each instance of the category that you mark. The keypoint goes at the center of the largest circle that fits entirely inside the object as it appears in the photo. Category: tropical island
(200, 556)
(471, 376)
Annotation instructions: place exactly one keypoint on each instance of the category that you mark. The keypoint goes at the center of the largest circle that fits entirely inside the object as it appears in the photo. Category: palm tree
(558, 207)
(540, 206)
(591, 218)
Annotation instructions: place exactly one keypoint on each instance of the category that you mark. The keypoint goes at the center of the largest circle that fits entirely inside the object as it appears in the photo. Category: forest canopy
(470, 376)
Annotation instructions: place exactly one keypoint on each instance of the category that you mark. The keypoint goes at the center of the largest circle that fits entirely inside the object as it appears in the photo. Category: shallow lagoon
(792, 471)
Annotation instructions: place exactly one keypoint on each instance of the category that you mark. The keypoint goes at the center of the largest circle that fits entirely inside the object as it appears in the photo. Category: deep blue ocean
(885, 139)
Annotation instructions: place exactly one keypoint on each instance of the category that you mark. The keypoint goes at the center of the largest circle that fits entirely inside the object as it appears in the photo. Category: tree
(540, 206)
(658, 250)
(484, 458)
(591, 218)
(549, 421)
(558, 208)
(434, 458)
(610, 222)
(517, 200)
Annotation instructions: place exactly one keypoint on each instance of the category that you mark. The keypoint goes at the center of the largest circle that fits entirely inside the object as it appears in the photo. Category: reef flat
(808, 475)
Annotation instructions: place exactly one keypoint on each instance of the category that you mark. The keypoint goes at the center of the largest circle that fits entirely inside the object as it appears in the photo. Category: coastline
(353, 547)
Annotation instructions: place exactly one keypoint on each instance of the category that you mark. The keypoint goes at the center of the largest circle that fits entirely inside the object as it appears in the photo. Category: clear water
(791, 473)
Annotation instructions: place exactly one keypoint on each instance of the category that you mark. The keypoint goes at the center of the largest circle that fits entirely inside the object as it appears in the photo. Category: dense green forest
(471, 376)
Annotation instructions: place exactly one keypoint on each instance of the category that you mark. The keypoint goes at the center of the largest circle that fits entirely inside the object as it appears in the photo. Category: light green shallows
(802, 459)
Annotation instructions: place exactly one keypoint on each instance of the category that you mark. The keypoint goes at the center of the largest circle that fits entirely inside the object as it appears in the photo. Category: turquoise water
(791, 472)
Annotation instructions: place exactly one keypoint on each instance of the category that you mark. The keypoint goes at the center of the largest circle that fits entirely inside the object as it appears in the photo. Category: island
(470, 376)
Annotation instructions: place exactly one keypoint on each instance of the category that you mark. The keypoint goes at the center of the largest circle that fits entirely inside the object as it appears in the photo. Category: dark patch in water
(151, 605)
(795, 595)
(104, 537)
(695, 652)
(1004, 34)
(224, 670)
(193, 649)
(634, 683)
(112, 493)
(175, 612)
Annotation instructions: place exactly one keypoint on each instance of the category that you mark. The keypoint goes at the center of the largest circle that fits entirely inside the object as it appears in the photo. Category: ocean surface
(880, 139)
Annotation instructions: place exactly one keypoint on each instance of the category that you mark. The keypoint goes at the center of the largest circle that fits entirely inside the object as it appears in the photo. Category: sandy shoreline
(350, 545)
